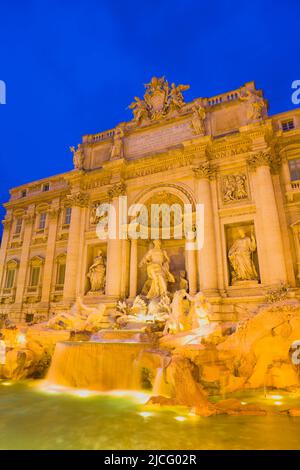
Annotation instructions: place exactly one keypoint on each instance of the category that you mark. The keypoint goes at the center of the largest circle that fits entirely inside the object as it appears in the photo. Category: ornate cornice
(79, 199)
(118, 189)
(205, 171)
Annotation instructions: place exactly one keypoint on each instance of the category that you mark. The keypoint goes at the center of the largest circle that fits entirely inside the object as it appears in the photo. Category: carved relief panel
(234, 188)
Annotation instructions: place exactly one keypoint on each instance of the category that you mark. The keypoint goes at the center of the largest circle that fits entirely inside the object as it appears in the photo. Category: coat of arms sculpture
(159, 100)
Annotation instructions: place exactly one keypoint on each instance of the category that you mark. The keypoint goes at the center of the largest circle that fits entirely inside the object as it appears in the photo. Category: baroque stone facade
(225, 152)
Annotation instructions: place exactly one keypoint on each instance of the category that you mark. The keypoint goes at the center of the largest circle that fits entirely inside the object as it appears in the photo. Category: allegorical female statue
(240, 257)
(117, 148)
(96, 274)
(158, 270)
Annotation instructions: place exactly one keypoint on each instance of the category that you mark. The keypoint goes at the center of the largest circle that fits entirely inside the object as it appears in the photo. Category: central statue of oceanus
(158, 270)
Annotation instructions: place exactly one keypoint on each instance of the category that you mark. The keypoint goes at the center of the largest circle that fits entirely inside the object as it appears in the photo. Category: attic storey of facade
(224, 152)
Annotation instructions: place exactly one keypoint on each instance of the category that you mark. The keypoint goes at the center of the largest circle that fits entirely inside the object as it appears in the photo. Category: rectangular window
(287, 125)
(42, 221)
(61, 272)
(68, 213)
(35, 276)
(46, 187)
(10, 278)
(294, 166)
(23, 193)
(18, 226)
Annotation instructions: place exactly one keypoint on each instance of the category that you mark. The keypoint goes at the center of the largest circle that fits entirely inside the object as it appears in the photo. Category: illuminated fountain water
(97, 365)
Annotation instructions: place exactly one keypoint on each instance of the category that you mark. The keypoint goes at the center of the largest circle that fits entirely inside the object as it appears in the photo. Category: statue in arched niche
(96, 274)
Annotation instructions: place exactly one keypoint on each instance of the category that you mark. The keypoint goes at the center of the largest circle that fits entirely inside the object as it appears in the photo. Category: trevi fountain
(129, 342)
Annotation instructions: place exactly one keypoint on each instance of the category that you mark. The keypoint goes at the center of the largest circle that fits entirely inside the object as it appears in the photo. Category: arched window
(60, 271)
(11, 274)
(18, 225)
(36, 264)
(42, 220)
(67, 215)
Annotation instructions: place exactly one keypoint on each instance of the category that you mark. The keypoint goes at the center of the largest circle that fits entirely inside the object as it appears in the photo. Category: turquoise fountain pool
(34, 416)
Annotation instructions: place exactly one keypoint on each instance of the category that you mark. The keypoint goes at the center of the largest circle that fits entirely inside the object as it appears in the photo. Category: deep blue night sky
(72, 67)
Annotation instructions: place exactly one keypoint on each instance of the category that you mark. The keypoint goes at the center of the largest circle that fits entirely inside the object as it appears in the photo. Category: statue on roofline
(78, 157)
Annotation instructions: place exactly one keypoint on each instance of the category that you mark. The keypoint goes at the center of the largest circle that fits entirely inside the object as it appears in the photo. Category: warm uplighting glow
(276, 397)
(138, 397)
(180, 418)
(21, 339)
(82, 393)
(243, 403)
(7, 384)
(145, 414)
(278, 403)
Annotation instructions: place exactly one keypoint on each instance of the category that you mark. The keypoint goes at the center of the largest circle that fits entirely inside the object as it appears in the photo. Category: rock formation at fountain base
(176, 367)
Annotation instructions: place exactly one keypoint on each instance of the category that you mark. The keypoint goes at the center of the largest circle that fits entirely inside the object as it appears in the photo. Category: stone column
(24, 261)
(267, 211)
(50, 251)
(133, 269)
(7, 223)
(207, 260)
(79, 203)
(191, 269)
(296, 234)
(125, 267)
(114, 246)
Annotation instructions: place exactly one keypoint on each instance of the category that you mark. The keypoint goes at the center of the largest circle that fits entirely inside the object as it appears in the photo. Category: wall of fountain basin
(181, 369)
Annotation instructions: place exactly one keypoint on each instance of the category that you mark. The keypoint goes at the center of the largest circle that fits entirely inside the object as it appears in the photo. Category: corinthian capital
(118, 189)
(204, 171)
(28, 217)
(79, 199)
(264, 158)
(7, 222)
(53, 212)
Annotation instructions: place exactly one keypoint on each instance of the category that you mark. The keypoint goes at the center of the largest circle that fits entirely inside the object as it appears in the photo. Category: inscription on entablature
(153, 140)
(228, 152)
(159, 166)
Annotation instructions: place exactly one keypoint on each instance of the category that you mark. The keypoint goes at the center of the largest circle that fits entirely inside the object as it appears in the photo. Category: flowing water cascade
(97, 365)
(158, 385)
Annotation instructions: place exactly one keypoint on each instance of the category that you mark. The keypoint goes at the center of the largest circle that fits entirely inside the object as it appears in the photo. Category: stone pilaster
(270, 238)
(114, 245)
(207, 261)
(79, 203)
(133, 269)
(7, 224)
(50, 251)
(125, 267)
(191, 269)
(24, 261)
(296, 234)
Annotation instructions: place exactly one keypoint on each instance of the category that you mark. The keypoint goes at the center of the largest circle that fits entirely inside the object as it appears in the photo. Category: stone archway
(181, 261)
